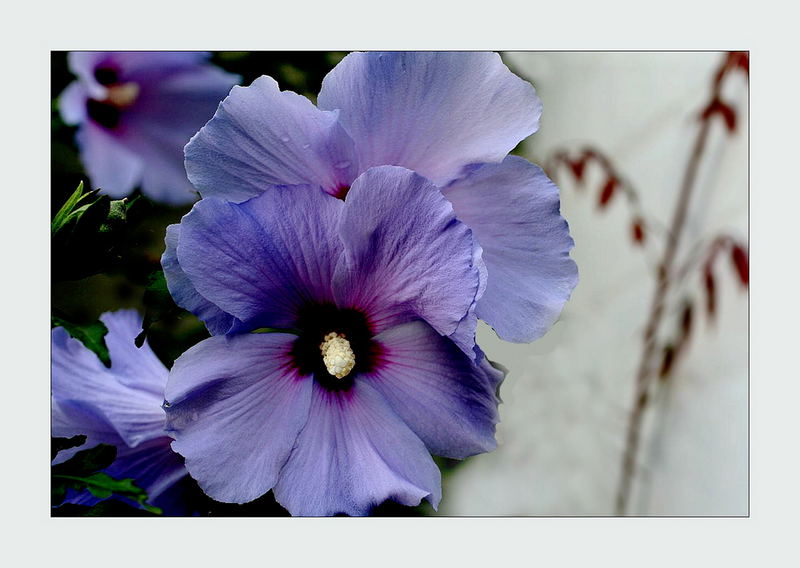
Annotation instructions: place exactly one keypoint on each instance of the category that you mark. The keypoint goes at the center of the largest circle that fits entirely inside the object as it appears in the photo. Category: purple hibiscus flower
(451, 117)
(136, 111)
(120, 406)
(338, 407)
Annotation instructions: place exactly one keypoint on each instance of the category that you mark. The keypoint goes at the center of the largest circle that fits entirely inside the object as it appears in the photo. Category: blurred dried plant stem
(658, 357)
(649, 365)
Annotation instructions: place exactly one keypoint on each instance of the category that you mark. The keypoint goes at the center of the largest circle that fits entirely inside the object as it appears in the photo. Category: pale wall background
(567, 396)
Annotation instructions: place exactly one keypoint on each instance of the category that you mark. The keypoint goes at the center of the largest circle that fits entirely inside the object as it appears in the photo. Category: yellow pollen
(123, 95)
(337, 355)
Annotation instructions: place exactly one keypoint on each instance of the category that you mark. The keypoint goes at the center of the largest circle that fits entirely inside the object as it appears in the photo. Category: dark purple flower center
(107, 112)
(106, 75)
(315, 322)
(341, 191)
(103, 113)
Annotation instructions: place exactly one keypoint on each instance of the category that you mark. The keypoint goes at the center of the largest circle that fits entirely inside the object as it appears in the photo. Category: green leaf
(61, 216)
(82, 472)
(103, 486)
(58, 444)
(91, 335)
(88, 234)
(70, 213)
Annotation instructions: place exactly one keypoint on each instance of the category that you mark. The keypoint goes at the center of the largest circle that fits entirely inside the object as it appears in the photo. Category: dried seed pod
(608, 191)
(741, 263)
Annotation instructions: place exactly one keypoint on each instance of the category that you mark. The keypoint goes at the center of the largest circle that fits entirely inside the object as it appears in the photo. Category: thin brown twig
(645, 374)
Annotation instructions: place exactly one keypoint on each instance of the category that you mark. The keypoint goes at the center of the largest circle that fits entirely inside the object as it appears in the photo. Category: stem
(645, 375)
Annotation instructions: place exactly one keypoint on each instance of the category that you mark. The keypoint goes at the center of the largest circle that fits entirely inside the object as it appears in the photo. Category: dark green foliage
(107, 508)
(58, 444)
(87, 233)
(158, 303)
(92, 335)
(83, 472)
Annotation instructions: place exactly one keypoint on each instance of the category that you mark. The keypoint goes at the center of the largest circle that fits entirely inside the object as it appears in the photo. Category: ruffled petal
(153, 466)
(432, 112)
(262, 260)
(355, 453)
(172, 105)
(235, 406)
(263, 136)
(440, 393)
(406, 256)
(111, 166)
(88, 398)
(83, 65)
(135, 367)
(72, 103)
(513, 210)
(184, 293)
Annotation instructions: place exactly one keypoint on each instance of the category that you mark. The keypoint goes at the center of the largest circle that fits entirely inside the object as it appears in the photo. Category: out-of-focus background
(567, 397)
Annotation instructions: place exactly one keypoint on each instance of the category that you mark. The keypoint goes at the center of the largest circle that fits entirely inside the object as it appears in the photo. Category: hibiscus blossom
(136, 111)
(451, 117)
(337, 405)
(120, 406)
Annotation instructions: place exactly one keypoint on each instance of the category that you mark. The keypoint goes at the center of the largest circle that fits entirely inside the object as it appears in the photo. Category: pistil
(337, 354)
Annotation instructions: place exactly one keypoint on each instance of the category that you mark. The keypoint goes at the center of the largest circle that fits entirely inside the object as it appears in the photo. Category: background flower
(437, 113)
(136, 111)
(120, 406)
(389, 273)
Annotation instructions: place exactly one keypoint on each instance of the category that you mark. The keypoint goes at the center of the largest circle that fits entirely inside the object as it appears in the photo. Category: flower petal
(235, 406)
(72, 103)
(432, 112)
(513, 210)
(438, 391)
(111, 166)
(406, 255)
(263, 136)
(88, 398)
(261, 260)
(172, 105)
(135, 367)
(154, 466)
(355, 453)
(185, 294)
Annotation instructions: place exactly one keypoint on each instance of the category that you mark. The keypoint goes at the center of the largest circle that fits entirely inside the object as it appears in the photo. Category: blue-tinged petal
(432, 112)
(88, 398)
(262, 260)
(440, 393)
(146, 106)
(111, 166)
(135, 367)
(235, 406)
(154, 467)
(184, 293)
(260, 136)
(464, 334)
(406, 256)
(72, 103)
(171, 106)
(513, 211)
(83, 65)
(355, 453)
